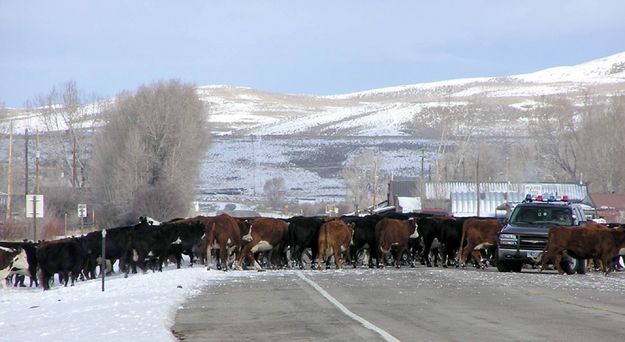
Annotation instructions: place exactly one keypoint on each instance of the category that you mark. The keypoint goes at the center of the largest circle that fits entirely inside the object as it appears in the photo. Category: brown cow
(223, 233)
(7, 257)
(592, 241)
(335, 237)
(393, 234)
(264, 234)
(479, 233)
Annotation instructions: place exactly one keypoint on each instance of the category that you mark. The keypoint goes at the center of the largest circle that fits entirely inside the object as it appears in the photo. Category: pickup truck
(523, 239)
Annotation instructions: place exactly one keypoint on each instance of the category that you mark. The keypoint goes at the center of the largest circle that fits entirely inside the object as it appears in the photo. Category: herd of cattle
(374, 239)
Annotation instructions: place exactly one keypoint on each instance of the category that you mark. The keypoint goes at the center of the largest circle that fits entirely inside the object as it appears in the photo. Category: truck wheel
(581, 266)
(568, 265)
(517, 267)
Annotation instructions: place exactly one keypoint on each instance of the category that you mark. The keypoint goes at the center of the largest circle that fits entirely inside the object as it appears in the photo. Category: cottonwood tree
(602, 141)
(146, 158)
(582, 142)
(553, 125)
(274, 190)
(363, 181)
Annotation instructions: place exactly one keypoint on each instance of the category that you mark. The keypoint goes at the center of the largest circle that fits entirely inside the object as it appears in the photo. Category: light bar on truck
(546, 198)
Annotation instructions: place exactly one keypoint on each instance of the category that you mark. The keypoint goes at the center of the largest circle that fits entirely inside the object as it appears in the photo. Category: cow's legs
(223, 256)
(209, 257)
(426, 251)
(400, 253)
(477, 256)
(557, 261)
(468, 250)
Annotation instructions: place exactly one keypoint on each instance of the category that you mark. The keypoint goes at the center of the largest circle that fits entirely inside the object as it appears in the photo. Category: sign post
(103, 269)
(34, 209)
(82, 213)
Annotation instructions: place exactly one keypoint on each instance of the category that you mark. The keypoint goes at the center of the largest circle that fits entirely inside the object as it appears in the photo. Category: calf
(477, 234)
(223, 233)
(264, 234)
(593, 241)
(394, 235)
(334, 239)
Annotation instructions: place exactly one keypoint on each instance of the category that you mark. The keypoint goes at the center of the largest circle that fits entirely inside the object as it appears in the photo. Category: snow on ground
(139, 308)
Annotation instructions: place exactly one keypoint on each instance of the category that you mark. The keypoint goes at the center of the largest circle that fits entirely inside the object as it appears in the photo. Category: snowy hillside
(499, 103)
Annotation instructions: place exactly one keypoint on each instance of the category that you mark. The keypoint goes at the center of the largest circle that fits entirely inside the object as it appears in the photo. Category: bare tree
(553, 125)
(363, 181)
(146, 158)
(274, 190)
(67, 114)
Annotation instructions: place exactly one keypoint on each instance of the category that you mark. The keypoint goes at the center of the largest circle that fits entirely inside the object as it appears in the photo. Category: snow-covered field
(310, 166)
(141, 307)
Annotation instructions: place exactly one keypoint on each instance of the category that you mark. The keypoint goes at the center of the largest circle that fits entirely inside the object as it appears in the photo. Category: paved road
(420, 304)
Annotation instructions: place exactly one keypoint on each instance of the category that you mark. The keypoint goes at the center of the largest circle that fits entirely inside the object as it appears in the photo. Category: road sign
(34, 206)
(82, 210)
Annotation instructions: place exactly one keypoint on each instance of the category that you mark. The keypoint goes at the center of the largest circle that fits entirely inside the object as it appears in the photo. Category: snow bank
(139, 308)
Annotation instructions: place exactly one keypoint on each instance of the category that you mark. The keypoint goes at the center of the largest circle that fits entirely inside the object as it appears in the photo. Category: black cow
(451, 233)
(429, 228)
(304, 233)
(118, 247)
(65, 257)
(363, 237)
(150, 247)
(184, 234)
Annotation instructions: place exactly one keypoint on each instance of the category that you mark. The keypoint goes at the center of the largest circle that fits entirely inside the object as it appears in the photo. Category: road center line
(385, 335)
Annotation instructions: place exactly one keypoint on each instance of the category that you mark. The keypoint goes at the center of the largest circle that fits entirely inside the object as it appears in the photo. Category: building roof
(609, 200)
(443, 190)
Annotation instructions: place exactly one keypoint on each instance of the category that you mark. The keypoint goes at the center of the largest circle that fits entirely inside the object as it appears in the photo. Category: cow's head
(248, 237)
(413, 224)
(352, 227)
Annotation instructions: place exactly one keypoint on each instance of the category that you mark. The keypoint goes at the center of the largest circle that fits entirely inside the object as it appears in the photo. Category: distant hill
(494, 104)
(491, 105)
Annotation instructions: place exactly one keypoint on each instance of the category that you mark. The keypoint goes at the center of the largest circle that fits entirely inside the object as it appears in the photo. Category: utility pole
(26, 161)
(9, 214)
(375, 181)
(37, 165)
(422, 169)
(477, 183)
(35, 218)
(254, 161)
(74, 175)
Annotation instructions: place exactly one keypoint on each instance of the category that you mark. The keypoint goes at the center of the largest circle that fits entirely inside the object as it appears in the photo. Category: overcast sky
(313, 47)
